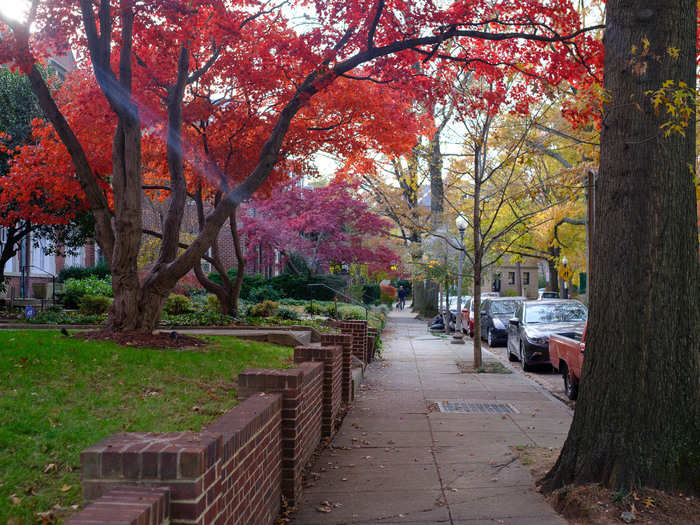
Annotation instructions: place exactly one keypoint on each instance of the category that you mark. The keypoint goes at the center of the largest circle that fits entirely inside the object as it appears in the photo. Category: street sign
(566, 273)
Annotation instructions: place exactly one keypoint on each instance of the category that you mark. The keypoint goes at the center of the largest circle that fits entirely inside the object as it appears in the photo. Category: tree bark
(637, 420)
(240, 269)
(477, 266)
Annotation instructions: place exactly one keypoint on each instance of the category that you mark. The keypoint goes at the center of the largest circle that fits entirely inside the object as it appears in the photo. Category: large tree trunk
(637, 420)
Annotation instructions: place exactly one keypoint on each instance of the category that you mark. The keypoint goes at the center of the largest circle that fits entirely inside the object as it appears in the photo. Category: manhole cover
(471, 407)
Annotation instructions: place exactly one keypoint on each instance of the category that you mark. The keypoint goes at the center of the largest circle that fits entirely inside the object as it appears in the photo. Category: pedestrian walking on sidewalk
(402, 298)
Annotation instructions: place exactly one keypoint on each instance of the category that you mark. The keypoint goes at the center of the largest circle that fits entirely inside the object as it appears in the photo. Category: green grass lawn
(59, 395)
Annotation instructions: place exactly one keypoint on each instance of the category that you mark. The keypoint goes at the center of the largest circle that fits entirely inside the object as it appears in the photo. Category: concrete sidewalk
(397, 459)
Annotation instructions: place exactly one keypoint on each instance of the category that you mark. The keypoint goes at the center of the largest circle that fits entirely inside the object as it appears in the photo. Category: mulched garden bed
(143, 340)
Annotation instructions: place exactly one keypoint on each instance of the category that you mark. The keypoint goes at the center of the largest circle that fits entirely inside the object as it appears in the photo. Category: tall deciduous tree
(637, 420)
(174, 42)
(49, 205)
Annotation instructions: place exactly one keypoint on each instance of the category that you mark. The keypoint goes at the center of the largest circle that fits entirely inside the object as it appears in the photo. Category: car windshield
(503, 307)
(555, 313)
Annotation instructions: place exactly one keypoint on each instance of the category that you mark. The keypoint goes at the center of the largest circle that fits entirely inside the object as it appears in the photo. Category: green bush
(263, 293)
(332, 311)
(264, 309)
(213, 303)
(94, 304)
(352, 314)
(293, 302)
(200, 318)
(177, 304)
(286, 313)
(371, 293)
(249, 281)
(314, 309)
(100, 270)
(59, 317)
(74, 289)
(510, 293)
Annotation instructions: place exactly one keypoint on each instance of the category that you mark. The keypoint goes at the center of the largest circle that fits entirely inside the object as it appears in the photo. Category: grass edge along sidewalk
(59, 395)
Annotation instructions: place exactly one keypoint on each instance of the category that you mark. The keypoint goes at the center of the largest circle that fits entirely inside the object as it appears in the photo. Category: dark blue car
(495, 313)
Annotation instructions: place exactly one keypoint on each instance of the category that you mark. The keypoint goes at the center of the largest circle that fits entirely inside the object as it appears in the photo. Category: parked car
(453, 303)
(535, 321)
(566, 353)
(546, 294)
(495, 313)
(468, 313)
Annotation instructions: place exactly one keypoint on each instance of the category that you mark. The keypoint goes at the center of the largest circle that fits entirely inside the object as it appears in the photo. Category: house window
(511, 277)
(526, 278)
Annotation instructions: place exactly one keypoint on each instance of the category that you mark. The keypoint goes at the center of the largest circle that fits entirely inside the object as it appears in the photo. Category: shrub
(263, 293)
(510, 293)
(370, 293)
(74, 289)
(62, 317)
(352, 315)
(213, 303)
(388, 290)
(177, 304)
(332, 311)
(264, 309)
(387, 300)
(94, 304)
(100, 270)
(286, 313)
(313, 309)
(201, 318)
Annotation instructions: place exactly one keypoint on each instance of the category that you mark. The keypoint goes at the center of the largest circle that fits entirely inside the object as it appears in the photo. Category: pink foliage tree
(323, 226)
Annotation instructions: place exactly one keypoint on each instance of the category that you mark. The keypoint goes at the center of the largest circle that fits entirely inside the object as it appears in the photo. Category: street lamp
(462, 224)
(564, 263)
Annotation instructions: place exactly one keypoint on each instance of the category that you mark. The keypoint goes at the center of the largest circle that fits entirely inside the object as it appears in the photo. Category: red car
(566, 353)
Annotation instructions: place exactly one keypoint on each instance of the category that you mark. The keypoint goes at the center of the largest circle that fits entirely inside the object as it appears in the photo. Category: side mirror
(514, 321)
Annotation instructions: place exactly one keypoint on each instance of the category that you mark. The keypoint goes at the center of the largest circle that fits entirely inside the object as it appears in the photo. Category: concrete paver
(397, 459)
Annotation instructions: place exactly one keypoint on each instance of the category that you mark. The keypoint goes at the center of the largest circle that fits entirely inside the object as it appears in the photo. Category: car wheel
(570, 386)
(489, 338)
(523, 363)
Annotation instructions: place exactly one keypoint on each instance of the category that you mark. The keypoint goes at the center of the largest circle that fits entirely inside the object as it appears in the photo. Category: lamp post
(564, 263)
(462, 224)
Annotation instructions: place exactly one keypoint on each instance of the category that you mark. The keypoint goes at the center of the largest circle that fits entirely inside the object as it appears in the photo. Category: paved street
(399, 459)
(546, 377)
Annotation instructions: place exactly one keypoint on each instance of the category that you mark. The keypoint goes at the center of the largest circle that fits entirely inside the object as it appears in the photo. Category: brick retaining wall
(302, 391)
(358, 330)
(345, 342)
(332, 357)
(238, 468)
(127, 506)
(225, 474)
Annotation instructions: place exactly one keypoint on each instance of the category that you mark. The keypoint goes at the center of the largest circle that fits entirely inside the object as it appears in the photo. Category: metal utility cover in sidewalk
(472, 407)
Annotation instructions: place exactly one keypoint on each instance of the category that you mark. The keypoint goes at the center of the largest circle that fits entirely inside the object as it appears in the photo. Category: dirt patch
(143, 340)
(596, 505)
(488, 367)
